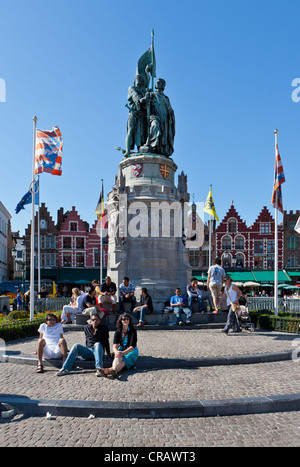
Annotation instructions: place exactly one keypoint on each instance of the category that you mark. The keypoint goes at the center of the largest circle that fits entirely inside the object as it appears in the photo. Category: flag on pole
(209, 206)
(100, 206)
(48, 154)
(147, 63)
(279, 179)
(27, 199)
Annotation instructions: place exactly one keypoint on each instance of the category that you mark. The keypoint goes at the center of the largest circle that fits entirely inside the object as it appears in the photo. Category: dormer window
(232, 225)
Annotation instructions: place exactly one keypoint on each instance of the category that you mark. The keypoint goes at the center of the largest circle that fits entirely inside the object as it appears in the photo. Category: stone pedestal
(145, 212)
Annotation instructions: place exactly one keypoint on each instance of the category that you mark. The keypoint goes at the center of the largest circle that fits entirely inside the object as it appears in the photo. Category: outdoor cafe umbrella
(251, 284)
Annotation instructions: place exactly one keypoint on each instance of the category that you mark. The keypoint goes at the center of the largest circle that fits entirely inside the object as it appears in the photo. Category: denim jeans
(232, 321)
(87, 353)
(186, 310)
(123, 299)
(196, 299)
(143, 311)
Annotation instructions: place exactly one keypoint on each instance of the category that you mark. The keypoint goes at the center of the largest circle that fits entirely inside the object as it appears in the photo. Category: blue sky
(229, 67)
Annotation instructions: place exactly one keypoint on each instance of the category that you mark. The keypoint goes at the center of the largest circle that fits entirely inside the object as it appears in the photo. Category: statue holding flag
(151, 121)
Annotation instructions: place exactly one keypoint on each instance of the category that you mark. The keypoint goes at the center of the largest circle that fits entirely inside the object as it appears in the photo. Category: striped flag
(100, 206)
(279, 179)
(48, 154)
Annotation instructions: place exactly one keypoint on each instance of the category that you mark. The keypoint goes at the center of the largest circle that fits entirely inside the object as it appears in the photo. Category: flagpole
(101, 241)
(32, 225)
(209, 248)
(276, 243)
(39, 240)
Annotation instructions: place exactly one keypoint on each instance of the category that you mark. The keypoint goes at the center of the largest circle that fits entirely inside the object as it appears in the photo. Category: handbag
(235, 307)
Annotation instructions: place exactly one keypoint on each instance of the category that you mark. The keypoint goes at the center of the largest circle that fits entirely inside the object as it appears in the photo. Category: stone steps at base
(166, 319)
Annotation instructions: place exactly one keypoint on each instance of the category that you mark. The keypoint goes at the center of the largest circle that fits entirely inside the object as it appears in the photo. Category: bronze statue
(151, 120)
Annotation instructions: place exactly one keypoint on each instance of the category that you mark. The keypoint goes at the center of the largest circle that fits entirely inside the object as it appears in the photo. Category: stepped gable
(73, 216)
(232, 214)
(263, 217)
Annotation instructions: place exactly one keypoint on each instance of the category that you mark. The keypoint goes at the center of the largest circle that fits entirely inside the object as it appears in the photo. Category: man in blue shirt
(179, 303)
(126, 290)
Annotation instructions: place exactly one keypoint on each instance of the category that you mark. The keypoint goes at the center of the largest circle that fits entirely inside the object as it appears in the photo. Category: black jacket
(101, 336)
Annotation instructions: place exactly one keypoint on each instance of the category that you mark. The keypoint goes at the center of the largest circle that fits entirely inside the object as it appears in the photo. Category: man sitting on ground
(127, 290)
(179, 303)
(107, 293)
(97, 341)
(89, 305)
(145, 308)
(196, 294)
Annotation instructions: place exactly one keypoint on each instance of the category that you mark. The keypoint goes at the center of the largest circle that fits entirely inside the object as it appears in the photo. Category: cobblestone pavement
(215, 382)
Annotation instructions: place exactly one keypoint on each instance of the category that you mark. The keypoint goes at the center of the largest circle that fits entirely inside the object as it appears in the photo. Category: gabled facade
(72, 241)
(253, 247)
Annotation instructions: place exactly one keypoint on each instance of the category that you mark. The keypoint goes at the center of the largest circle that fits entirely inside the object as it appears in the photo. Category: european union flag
(27, 199)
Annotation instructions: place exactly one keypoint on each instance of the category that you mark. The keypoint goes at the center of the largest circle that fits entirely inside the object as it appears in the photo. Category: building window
(67, 242)
(232, 225)
(292, 261)
(80, 243)
(194, 257)
(239, 243)
(271, 246)
(258, 262)
(80, 260)
(96, 257)
(73, 226)
(43, 224)
(270, 262)
(258, 246)
(67, 259)
(49, 242)
(226, 243)
(265, 228)
(292, 243)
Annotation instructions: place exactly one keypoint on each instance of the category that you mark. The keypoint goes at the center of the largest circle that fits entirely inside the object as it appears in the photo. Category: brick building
(291, 240)
(242, 247)
(69, 249)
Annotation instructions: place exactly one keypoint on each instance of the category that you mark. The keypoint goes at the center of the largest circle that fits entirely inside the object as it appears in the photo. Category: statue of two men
(151, 121)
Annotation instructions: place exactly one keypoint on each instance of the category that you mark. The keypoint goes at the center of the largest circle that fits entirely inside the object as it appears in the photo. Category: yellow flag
(209, 206)
(54, 289)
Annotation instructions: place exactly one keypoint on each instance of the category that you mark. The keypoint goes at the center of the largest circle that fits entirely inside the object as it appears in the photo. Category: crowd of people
(52, 344)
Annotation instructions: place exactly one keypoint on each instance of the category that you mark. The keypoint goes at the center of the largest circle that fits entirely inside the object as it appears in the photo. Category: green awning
(268, 276)
(80, 274)
(241, 276)
(294, 273)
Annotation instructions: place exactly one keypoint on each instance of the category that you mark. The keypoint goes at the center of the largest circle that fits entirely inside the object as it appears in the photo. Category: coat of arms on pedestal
(137, 169)
(164, 170)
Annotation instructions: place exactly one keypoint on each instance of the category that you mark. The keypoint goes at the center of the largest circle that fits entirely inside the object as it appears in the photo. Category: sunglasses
(124, 319)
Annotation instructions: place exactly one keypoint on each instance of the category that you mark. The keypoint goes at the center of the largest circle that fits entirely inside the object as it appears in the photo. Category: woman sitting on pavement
(124, 346)
(51, 343)
(232, 293)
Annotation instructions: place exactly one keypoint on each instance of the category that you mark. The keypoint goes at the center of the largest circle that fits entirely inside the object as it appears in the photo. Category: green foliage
(17, 325)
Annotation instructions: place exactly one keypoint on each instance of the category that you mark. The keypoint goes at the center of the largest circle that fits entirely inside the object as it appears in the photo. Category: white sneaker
(62, 372)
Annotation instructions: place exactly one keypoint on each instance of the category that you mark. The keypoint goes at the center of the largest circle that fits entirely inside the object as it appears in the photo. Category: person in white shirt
(51, 343)
(233, 294)
(215, 277)
(70, 311)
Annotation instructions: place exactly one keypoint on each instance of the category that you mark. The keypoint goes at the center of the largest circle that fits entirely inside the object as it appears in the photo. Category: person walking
(233, 293)
(215, 277)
